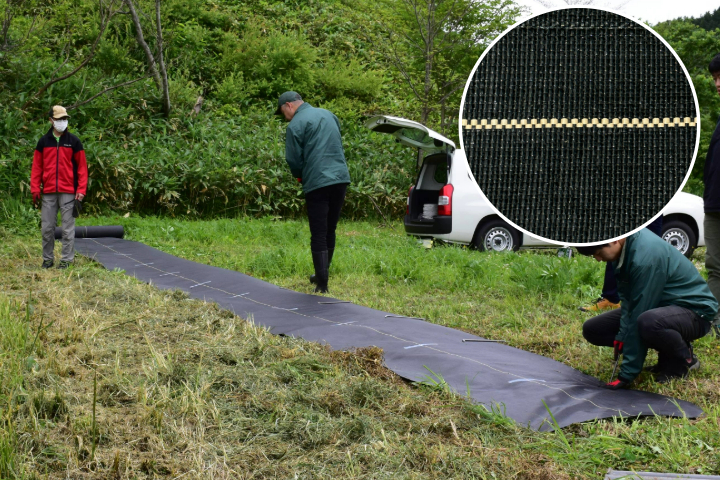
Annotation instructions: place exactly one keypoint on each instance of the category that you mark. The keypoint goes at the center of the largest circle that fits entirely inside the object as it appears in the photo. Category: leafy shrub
(210, 166)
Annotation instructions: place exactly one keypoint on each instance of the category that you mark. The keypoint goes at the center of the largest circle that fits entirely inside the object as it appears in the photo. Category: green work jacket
(313, 148)
(651, 273)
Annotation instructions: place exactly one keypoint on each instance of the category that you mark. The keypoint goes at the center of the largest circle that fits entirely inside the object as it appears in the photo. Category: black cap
(285, 98)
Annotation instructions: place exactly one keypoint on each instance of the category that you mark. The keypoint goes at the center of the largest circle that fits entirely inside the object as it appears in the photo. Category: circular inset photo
(579, 125)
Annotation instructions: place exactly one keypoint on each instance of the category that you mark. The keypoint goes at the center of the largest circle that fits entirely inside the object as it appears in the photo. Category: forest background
(178, 120)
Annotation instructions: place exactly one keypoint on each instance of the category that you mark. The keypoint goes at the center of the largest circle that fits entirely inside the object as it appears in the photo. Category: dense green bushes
(220, 166)
(229, 159)
(239, 56)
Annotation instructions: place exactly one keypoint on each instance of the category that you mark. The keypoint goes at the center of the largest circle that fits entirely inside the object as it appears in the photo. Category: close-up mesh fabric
(579, 125)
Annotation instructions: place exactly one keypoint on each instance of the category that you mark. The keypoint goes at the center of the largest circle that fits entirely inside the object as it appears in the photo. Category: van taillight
(445, 200)
(407, 211)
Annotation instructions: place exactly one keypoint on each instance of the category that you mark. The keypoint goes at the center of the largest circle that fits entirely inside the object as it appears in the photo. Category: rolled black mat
(102, 231)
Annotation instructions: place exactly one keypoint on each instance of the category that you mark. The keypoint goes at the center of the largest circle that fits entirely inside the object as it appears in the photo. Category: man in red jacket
(59, 176)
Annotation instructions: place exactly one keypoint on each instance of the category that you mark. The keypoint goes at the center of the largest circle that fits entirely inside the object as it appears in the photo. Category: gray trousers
(51, 203)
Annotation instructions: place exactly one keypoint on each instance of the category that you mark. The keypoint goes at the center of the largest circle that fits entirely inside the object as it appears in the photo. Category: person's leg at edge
(670, 330)
(67, 201)
(48, 214)
(318, 205)
(712, 252)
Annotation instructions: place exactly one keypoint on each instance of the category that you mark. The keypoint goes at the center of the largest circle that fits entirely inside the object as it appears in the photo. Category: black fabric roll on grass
(523, 385)
(112, 231)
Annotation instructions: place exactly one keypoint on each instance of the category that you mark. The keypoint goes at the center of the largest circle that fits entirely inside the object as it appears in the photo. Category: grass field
(105, 377)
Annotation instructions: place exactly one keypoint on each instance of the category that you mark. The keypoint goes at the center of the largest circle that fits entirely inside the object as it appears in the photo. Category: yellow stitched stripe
(496, 124)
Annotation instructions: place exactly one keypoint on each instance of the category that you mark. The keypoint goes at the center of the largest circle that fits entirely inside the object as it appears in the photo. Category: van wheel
(681, 236)
(497, 236)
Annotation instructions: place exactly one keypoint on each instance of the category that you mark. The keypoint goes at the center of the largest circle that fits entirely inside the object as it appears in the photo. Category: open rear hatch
(429, 210)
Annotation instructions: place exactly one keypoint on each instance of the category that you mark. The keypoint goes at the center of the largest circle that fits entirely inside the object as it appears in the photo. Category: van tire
(681, 236)
(497, 235)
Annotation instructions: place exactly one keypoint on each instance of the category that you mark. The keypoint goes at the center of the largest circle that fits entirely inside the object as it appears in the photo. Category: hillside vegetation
(239, 56)
(354, 58)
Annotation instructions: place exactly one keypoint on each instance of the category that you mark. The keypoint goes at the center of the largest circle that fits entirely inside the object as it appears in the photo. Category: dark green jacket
(651, 273)
(313, 148)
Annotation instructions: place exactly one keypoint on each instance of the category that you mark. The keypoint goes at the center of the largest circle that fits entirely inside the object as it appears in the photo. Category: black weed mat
(517, 383)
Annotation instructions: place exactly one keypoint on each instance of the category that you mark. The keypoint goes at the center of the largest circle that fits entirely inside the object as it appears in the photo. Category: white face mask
(60, 125)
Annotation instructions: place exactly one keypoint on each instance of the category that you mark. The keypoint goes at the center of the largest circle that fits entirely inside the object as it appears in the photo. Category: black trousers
(324, 205)
(669, 330)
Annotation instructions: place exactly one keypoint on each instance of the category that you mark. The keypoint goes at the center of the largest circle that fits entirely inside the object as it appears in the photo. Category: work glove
(35, 198)
(618, 348)
(617, 384)
(77, 208)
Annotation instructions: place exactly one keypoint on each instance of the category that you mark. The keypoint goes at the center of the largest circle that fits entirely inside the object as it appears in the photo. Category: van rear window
(441, 173)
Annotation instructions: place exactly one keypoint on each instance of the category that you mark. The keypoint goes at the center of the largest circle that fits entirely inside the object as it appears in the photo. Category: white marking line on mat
(386, 334)
(240, 294)
(526, 380)
(169, 273)
(143, 264)
(345, 323)
(203, 283)
(419, 345)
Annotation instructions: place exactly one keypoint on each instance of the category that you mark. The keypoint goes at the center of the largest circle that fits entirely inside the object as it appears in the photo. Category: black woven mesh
(579, 184)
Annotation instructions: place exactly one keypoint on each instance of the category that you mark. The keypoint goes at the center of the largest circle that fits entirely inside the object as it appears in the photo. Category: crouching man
(665, 305)
(59, 177)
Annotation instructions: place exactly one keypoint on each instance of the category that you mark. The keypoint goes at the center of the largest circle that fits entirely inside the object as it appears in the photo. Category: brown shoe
(601, 304)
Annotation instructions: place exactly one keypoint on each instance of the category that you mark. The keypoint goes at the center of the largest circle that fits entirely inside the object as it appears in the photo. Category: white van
(446, 202)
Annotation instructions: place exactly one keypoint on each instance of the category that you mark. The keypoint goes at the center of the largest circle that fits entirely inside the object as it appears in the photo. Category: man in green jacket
(665, 305)
(315, 155)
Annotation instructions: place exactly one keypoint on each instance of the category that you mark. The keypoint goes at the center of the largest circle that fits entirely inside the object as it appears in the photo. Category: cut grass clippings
(187, 390)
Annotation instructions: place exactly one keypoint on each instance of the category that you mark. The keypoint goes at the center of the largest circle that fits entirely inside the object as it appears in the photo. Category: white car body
(471, 211)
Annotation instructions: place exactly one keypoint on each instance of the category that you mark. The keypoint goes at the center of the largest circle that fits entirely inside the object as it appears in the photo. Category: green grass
(185, 388)
(17, 350)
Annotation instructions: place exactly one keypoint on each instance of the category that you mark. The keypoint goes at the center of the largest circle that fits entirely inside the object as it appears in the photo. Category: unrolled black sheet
(510, 380)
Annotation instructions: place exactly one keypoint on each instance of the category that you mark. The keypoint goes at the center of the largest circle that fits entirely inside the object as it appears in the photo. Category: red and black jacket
(59, 167)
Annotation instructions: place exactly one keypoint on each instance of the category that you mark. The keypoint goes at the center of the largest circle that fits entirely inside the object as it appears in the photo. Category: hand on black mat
(36, 199)
(617, 384)
(617, 346)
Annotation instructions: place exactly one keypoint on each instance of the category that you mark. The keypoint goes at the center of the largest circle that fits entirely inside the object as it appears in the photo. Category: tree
(709, 21)
(143, 44)
(161, 61)
(106, 12)
(434, 44)
(157, 69)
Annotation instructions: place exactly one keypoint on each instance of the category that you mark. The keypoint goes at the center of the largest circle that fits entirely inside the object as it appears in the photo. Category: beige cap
(58, 112)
